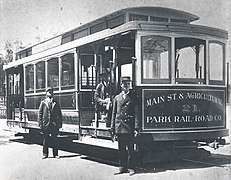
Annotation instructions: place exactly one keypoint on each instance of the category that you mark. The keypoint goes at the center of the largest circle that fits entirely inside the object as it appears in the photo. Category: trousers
(126, 151)
(50, 139)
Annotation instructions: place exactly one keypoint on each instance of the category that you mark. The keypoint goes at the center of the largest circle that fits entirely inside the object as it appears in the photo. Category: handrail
(227, 83)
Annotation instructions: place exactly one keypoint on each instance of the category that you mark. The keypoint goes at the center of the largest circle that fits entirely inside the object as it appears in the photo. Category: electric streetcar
(178, 69)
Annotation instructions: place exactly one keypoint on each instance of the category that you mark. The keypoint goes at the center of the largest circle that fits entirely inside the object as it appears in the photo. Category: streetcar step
(106, 143)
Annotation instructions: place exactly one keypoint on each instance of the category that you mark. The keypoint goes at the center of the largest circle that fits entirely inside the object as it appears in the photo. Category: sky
(31, 21)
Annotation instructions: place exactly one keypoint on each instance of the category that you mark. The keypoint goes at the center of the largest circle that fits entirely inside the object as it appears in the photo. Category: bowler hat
(125, 79)
(49, 89)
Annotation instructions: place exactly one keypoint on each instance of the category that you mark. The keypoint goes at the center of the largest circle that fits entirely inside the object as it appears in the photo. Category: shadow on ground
(109, 157)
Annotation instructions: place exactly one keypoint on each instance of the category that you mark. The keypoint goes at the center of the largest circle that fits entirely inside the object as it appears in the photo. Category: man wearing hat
(102, 96)
(50, 121)
(125, 124)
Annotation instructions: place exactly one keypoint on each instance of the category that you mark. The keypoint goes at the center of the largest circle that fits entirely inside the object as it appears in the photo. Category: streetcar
(178, 69)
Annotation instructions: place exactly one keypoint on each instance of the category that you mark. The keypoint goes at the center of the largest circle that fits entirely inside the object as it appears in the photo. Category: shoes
(44, 157)
(131, 172)
(57, 157)
(121, 172)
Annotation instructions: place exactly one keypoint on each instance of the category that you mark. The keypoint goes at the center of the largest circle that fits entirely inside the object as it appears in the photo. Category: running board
(96, 132)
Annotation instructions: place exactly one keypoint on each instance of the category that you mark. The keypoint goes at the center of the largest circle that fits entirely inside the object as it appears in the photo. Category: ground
(22, 160)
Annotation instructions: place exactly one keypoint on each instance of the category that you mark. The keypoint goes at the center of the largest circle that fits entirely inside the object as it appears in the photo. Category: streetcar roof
(162, 12)
(158, 12)
(126, 26)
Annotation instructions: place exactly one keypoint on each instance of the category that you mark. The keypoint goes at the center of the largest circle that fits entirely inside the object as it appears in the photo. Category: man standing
(102, 97)
(125, 123)
(50, 120)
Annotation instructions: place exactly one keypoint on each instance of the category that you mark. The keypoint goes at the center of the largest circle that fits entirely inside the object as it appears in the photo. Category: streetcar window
(29, 51)
(126, 70)
(53, 72)
(80, 34)
(116, 21)
(40, 76)
(16, 83)
(155, 59)
(158, 19)
(178, 21)
(29, 78)
(216, 59)
(138, 17)
(66, 38)
(98, 27)
(22, 54)
(10, 83)
(67, 71)
(190, 60)
(88, 72)
(13, 83)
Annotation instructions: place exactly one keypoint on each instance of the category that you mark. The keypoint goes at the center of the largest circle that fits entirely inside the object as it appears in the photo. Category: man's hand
(106, 101)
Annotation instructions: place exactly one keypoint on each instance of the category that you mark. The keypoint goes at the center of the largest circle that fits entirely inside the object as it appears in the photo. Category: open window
(190, 60)
(88, 72)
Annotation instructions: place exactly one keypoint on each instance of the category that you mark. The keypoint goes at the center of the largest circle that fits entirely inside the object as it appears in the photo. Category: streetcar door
(15, 100)
(125, 66)
(125, 59)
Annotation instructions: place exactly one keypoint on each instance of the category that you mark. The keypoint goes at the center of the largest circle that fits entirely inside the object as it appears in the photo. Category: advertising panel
(180, 109)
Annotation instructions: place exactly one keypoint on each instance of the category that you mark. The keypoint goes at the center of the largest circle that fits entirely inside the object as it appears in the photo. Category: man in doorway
(50, 121)
(125, 124)
(102, 97)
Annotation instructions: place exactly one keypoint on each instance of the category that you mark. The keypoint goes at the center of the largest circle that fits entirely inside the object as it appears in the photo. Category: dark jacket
(49, 117)
(125, 116)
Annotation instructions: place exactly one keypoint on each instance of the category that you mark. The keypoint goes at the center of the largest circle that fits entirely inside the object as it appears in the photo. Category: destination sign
(183, 109)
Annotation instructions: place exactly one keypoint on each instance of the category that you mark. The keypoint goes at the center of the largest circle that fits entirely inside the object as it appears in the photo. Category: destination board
(179, 109)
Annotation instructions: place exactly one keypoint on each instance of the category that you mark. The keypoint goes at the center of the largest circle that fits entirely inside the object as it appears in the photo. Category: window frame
(193, 80)
(217, 82)
(47, 75)
(45, 78)
(83, 87)
(71, 86)
(161, 80)
(33, 78)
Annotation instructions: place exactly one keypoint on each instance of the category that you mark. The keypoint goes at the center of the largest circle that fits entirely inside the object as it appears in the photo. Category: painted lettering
(203, 96)
(182, 119)
(155, 100)
(158, 119)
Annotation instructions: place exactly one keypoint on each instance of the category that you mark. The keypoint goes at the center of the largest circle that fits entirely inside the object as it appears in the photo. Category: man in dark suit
(102, 97)
(125, 123)
(50, 121)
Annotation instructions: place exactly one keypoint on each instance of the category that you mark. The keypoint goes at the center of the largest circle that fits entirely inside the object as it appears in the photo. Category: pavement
(21, 160)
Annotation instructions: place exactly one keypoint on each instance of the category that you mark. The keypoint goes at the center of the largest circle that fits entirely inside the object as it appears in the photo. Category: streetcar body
(178, 70)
